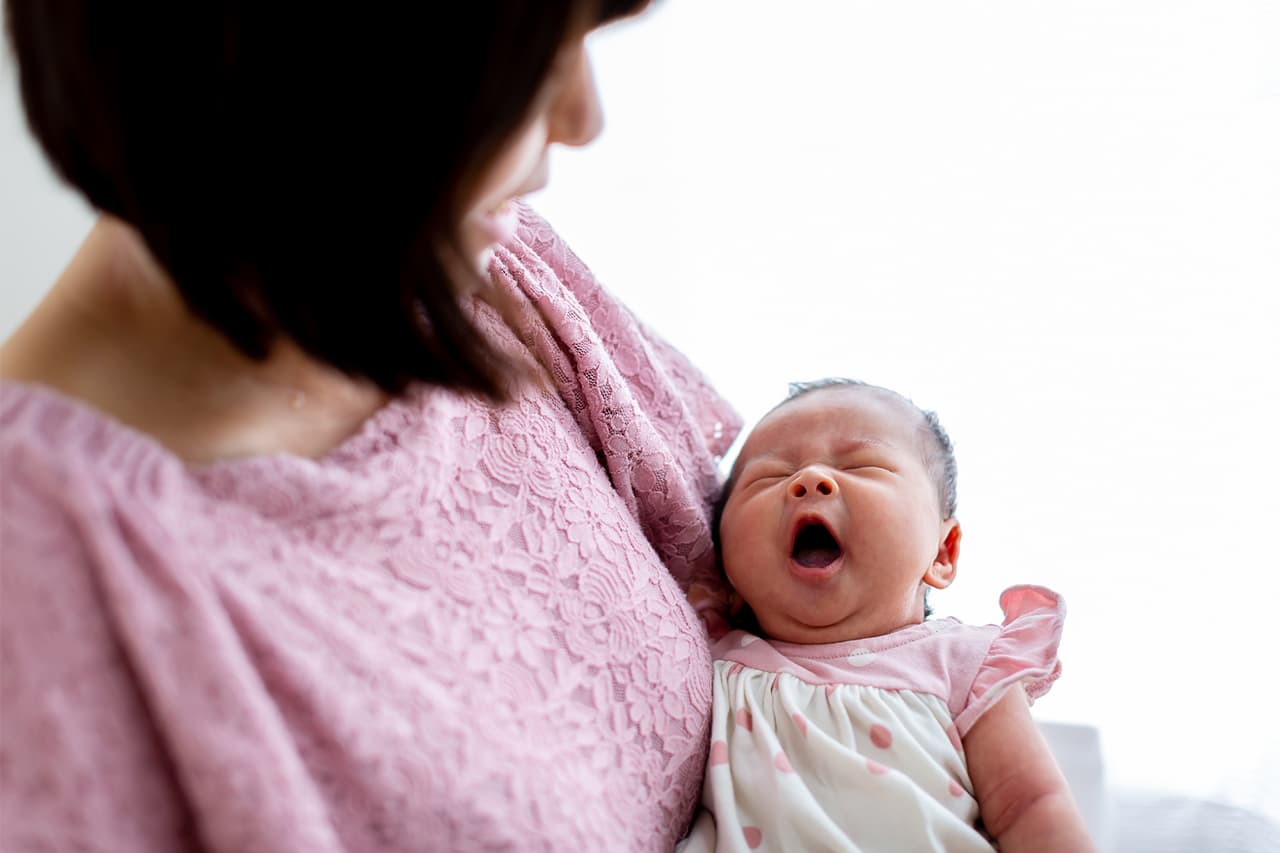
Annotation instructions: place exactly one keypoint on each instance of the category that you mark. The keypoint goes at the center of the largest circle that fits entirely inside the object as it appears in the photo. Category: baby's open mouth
(815, 547)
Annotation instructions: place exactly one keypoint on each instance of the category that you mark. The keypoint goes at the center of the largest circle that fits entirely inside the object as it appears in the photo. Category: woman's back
(454, 631)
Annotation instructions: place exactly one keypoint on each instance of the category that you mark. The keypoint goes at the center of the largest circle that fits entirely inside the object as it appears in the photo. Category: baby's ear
(942, 571)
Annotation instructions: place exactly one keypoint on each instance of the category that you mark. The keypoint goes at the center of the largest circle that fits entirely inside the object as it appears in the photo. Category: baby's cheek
(744, 578)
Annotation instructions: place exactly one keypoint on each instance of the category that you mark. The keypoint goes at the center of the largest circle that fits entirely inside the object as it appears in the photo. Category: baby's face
(833, 525)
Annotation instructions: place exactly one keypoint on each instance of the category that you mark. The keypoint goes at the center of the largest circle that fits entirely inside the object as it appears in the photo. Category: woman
(343, 510)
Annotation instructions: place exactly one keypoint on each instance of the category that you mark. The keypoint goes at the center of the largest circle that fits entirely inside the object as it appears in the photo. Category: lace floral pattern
(463, 629)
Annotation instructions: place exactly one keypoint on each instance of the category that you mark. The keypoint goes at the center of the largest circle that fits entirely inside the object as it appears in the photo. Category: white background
(1058, 224)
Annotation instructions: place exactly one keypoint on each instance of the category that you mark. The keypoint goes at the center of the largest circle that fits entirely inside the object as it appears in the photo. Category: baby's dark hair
(939, 458)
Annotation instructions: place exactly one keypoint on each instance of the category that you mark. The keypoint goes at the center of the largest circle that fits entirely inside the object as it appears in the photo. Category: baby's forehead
(857, 413)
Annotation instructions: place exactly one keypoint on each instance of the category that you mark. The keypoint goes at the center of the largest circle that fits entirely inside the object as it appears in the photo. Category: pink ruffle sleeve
(1025, 651)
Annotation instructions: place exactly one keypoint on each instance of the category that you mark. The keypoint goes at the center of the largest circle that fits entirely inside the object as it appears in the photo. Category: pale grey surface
(1144, 822)
(1079, 753)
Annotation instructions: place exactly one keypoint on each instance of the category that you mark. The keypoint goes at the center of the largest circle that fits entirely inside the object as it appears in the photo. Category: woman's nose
(812, 481)
(576, 116)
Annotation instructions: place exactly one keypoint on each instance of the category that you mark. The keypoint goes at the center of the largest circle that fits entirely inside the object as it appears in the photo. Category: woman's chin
(492, 227)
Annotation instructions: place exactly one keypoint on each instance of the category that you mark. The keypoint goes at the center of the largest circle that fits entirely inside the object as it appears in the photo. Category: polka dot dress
(856, 746)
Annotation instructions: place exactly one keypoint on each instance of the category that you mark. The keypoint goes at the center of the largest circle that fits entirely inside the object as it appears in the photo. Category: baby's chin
(784, 629)
(816, 631)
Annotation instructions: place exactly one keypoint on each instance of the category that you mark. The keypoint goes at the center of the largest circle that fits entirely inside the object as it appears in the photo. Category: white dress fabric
(856, 746)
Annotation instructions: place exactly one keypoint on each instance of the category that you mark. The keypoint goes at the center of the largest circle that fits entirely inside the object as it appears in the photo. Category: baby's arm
(1022, 794)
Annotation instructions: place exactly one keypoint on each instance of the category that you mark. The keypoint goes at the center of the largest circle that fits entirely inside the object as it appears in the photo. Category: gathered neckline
(79, 420)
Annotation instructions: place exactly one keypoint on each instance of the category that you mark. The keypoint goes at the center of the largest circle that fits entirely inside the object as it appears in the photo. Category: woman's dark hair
(300, 169)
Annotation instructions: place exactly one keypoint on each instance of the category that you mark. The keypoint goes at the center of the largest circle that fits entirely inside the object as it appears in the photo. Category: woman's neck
(115, 333)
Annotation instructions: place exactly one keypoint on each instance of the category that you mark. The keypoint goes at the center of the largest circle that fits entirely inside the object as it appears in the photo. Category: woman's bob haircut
(300, 170)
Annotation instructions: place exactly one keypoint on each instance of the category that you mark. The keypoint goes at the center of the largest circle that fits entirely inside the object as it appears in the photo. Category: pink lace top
(463, 629)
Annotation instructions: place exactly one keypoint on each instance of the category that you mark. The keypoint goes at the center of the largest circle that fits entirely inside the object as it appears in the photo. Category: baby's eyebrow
(741, 465)
(853, 445)
(744, 464)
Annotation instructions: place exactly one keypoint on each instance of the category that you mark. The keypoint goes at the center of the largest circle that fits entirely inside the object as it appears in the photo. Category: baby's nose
(810, 481)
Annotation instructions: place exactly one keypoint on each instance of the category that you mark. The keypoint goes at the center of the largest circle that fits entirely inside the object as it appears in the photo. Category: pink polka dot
(876, 768)
(801, 723)
(720, 753)
(830, 688)
(774, 685)
(881, 736)
(743, 718)
(954, 789)
(753, 836)
(780, 761)
(736, 668)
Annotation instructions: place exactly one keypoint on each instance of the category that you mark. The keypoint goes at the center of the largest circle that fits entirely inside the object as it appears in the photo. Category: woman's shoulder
(72, 705)
(69, 472)
(52, 444)
(44, 431)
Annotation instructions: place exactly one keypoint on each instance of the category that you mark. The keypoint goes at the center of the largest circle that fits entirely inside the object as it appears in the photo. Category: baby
(845, 721)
